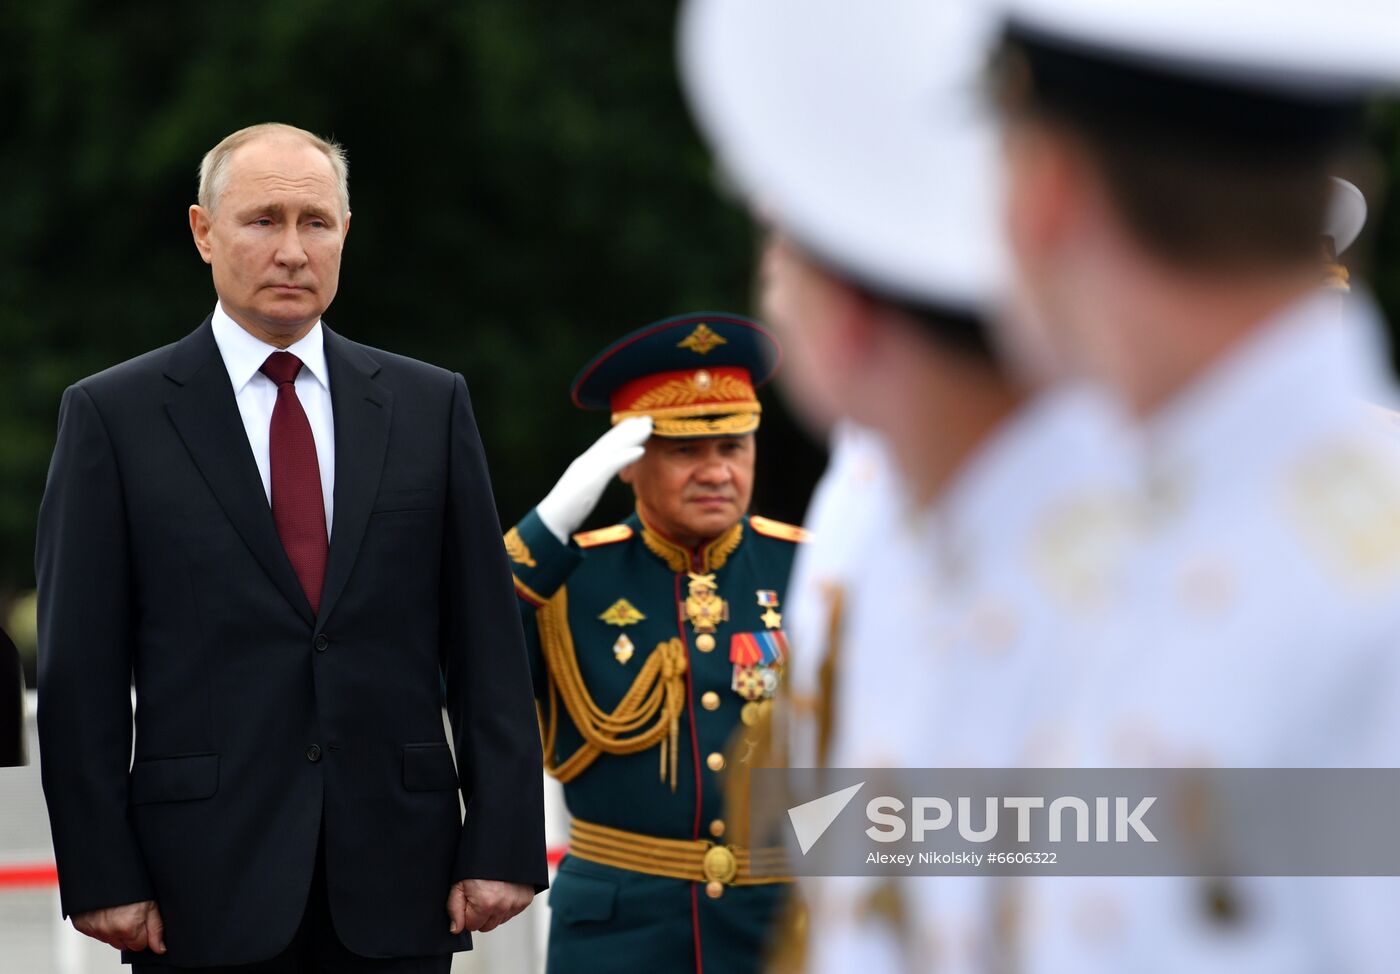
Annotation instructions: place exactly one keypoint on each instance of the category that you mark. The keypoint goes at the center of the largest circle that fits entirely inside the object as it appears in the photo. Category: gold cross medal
(703, 606)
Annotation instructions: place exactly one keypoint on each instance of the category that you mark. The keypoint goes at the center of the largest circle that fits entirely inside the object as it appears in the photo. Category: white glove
(577, 492)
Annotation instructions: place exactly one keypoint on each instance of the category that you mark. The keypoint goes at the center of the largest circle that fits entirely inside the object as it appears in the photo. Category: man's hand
(574, 497)
(135, 926)
(484, 904)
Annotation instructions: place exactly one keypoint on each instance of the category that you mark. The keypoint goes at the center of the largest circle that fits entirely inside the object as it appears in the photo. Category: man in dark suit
(12, 749)
(289, 541)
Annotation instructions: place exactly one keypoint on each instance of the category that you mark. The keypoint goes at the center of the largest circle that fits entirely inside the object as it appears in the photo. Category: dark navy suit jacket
(12, 750)
(259, 724)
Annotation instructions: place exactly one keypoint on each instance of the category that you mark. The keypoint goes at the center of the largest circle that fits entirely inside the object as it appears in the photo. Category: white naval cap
(860, 130)
(1346, 215)
(1307, 45)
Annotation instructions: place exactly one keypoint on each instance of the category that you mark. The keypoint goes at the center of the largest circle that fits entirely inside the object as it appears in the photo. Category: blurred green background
(525, 180)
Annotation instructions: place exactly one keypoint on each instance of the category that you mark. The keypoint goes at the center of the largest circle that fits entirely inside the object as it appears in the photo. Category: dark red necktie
(298, 507)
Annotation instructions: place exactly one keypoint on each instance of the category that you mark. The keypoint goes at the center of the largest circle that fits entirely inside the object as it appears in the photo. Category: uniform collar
(1322, 353)
(244, 355)
(709, 557)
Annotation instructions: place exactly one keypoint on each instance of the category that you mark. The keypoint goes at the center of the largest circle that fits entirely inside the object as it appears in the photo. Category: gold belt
(693, 860)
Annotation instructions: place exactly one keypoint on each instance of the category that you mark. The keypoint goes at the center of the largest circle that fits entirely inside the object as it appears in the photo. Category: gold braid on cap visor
(692, 403)
(680, 427)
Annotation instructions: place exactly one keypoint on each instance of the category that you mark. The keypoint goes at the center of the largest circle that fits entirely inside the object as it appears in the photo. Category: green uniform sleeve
(541, 565)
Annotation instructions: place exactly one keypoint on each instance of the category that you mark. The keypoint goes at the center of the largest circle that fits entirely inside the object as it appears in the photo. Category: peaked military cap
(860, 131)
(695, 375)
(1250, 74)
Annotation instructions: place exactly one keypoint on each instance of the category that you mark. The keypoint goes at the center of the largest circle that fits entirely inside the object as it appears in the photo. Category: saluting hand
(132, 926)
(573, 498)
(484, 904)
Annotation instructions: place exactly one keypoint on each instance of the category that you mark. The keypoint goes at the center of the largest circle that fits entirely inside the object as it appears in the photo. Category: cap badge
(702, 340)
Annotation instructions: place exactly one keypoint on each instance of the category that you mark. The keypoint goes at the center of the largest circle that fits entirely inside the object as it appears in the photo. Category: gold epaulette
(770, 528)
(518, 551)
(608, 535)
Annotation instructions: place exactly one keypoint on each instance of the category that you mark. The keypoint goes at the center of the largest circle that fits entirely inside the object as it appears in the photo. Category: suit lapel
(206, 416)
(363, 409)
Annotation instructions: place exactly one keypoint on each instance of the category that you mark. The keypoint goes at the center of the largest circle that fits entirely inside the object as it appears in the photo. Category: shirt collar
(244, 355)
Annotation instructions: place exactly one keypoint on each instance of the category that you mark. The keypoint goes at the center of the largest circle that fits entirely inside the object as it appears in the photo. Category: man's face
(797, 300)
(693, 490)
(1050, 231)
(1080, 268)
(275, 236)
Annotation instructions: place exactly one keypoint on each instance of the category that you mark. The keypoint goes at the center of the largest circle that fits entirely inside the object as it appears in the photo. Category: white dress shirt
(256, 394)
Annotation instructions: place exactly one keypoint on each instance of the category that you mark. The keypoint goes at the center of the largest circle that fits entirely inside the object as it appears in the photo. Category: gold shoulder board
(780, 530)
(609, 535)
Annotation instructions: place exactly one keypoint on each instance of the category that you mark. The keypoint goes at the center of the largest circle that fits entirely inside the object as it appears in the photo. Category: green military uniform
(650, 659)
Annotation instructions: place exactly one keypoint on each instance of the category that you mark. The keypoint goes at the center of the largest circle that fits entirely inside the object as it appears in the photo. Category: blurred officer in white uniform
(965, 520)
(1167, 187)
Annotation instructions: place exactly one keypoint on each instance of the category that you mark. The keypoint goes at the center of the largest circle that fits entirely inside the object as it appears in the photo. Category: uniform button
(715, 762)
(313, 753)
(717, 827)
(710, 701)
(322, 643)
(714, 889)
(705, 642)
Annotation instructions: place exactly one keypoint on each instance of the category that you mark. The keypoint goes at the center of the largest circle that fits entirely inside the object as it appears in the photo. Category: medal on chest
(622, 613)
(705, 609)
(758, 657)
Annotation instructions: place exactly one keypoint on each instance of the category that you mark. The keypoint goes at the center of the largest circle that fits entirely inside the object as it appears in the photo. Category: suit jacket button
(321, 643)
(313, 753)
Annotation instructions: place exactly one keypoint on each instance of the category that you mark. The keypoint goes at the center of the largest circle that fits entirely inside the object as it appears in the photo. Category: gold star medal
(768, 601)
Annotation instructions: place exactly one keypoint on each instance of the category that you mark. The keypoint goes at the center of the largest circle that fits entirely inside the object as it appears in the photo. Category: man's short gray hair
(213, 169)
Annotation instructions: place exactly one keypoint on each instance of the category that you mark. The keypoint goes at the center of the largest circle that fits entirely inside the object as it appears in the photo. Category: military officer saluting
(653, 641)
